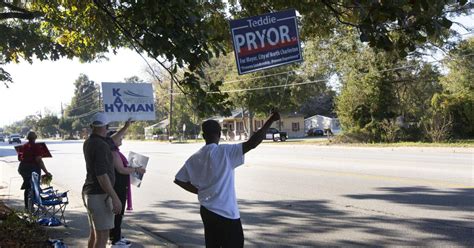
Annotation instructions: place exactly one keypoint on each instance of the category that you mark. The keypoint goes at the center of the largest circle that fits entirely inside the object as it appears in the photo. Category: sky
(44, 85)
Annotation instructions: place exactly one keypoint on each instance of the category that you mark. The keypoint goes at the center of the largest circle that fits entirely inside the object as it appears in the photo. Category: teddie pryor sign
(266, 41)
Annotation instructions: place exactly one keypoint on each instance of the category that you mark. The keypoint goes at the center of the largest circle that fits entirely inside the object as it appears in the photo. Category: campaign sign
(42, 148)
(266, 41)
(128, 100)
(137, 160)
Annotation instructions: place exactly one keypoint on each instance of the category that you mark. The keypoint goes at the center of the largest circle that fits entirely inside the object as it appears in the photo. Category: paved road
(293, 195)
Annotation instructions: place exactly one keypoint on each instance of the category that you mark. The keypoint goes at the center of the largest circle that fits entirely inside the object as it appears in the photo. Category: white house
(160, 125)
(237, 125)
(323, 123)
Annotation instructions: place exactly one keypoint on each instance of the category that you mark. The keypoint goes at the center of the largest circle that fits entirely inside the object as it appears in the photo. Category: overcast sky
(46, 84)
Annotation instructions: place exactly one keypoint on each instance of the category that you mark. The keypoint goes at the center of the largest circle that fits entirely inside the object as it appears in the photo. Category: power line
(83, 115)
(87, 96)
(264, 76)
(81, 106)
(311, 82)
(268, 87)
(384, 70)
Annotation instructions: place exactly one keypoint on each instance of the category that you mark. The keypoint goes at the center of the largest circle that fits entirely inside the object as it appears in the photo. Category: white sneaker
(121, 244)
(128, 242)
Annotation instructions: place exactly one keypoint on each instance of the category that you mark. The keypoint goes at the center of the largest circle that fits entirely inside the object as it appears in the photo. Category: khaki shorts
(99, 210)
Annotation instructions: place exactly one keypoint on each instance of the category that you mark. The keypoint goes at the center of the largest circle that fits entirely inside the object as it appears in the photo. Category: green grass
(459, 143)
(455, 143)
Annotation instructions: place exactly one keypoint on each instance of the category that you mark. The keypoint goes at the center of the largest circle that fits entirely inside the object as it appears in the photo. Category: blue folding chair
(47, 204)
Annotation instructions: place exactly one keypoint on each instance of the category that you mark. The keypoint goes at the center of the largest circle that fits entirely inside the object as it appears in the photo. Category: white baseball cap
(99, 120)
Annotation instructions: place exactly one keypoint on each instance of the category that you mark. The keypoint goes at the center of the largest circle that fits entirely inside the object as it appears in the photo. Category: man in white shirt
(209, 173)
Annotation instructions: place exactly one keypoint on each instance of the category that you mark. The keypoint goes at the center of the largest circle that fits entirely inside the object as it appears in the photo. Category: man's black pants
(220, 231)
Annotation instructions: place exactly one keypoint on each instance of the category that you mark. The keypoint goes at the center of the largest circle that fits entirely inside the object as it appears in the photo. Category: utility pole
(171, 108)
(62, 110)
(100, 100)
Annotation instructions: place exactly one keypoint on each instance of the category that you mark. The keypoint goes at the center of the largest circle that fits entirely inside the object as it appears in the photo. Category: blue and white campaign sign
(266, 41)
(125, 100)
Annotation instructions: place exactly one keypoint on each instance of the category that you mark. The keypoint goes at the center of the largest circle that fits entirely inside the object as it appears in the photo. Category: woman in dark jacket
(30, 161)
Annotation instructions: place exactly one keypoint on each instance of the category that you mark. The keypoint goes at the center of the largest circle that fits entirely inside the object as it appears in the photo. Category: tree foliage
(399, 26)
(285, 88)
(458, 96)
(47, 126)
(355, 42)
(84, 103)
(187, 33)
(379, 88)
(65, 126)
(190, 33)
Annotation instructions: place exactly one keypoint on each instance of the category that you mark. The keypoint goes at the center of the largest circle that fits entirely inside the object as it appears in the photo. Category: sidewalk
(76, 233)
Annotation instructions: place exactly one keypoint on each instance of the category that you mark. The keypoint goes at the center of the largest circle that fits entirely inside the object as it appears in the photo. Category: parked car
(275, 135)
(14, 138)
(315, 132)
(2, 138)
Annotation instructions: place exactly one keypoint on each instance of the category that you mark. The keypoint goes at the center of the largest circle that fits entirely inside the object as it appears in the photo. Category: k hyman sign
(266, 41)
(124, 100)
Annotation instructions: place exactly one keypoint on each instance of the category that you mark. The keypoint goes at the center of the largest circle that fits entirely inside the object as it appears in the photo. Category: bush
(390, 130)
(412, 132)
(438, 127)
(18, 232)
(353, 136)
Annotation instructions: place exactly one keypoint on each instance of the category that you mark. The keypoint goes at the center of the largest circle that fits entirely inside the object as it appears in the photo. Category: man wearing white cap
(98, 193)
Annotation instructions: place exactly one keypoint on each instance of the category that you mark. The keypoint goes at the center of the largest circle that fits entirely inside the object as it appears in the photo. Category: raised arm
(120, 133)
(258, 136)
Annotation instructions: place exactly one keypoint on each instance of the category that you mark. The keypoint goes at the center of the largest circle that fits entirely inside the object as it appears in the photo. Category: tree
(458, 95)
(381, 91)
(188, 34)
(84, 103)
(399, 26)
(47, 126)
(283, 88)
(65, 126)
(184, 109)
(319, 105)
(13, 128)
(134, 80)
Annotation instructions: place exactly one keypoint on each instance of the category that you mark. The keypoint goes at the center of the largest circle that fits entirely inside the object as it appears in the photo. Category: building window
(258, 124)
(295, 126)
(240, 126)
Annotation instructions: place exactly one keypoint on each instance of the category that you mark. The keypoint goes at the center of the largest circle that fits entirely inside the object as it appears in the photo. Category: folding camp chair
(46, 204)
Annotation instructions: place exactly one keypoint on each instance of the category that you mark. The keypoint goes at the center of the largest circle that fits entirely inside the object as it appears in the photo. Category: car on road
(14, 138)
(275, 135)
(2, 138)
(315, 132)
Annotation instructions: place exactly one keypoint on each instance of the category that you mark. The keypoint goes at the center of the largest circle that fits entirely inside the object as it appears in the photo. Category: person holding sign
(122, 182)
(209, 173)
(98, 193)
(30, 157)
